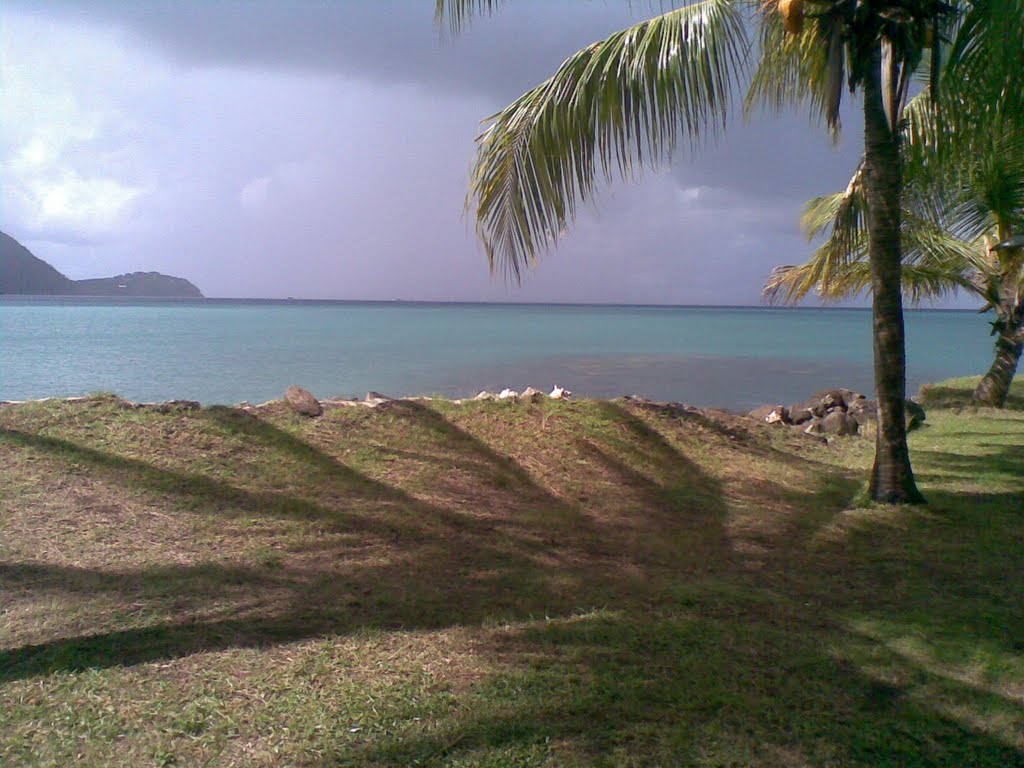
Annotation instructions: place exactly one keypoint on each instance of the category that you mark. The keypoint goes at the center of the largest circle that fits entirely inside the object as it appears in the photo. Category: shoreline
(291, 301)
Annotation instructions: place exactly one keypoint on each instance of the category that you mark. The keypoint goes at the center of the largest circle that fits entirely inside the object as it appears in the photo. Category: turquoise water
(229, 351)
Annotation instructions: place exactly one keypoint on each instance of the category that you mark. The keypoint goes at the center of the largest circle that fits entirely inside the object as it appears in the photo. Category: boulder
(863, 410)
(799, 414)
(302, 401)
(814, 427)
(484, 395)
(827, 400)
(850, 397)
(914, 415)
(838, 422)
(376, 397)
(508, 394)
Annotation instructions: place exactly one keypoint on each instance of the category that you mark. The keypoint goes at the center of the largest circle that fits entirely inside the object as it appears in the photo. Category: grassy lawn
(496, 584)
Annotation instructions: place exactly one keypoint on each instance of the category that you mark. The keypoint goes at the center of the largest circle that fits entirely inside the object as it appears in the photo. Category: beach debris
(531, 394)
(559, 393)
(484, 395)
(770, 414)
(345, 402)
(375, 399)
(302, 401)
(508, 394)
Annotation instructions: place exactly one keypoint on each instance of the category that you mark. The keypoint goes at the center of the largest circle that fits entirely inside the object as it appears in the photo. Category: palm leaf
(610, 109)
(804, 70)
(458, 13)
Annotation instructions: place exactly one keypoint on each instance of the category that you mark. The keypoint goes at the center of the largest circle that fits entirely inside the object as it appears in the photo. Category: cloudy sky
(322, 150)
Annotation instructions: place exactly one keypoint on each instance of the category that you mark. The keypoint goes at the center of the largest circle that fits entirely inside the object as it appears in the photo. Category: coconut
(792, 12)
(929, 37)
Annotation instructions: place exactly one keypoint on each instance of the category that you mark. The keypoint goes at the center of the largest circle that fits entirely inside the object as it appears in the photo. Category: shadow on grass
(704, 686)
(961, 396)
(1000, 463)
(518, 552)
(693, 658)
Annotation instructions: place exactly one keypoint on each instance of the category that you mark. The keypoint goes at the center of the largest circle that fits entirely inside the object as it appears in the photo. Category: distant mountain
(138, 284)
(23, 273)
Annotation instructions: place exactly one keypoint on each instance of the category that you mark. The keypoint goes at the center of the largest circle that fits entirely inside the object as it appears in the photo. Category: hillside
(502, 584)
(24, 273)
(151, 284)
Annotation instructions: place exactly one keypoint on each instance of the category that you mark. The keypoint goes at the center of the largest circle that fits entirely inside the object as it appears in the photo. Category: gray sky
(322, 150)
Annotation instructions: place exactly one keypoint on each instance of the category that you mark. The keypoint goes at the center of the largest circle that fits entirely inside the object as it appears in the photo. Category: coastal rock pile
(832, 412)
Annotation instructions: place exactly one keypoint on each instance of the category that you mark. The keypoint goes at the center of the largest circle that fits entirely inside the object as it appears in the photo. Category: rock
(531, 394)
(838, 422)
(814, 427)
(914, 415)
(821, 402)
(827, 400)
(376, 397)
(484, 396)
(508, 394)
(178, 405)
(558, 393)
(770, 414)
(631, 398)
(862, 410)
(303, 401)
(799, 414)
(850, 397)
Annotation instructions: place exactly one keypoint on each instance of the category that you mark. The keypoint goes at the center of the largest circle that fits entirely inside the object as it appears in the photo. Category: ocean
(228, 351)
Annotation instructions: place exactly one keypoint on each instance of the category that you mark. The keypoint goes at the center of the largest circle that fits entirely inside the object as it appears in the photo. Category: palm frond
(987, 57)
(804, 70)
(456, 14)
(609, 110)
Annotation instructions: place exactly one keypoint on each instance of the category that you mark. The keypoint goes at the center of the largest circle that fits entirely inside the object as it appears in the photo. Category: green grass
(497, 584)
(956, 393)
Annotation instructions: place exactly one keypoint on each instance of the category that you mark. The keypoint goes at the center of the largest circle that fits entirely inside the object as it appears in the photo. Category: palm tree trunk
(892, 479)
(994, 387)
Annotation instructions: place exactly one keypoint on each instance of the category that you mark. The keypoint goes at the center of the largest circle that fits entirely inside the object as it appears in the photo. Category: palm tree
(623, 103)
(963, 229)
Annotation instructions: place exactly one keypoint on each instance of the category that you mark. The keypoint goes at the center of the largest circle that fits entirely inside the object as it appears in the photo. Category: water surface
(220, 351)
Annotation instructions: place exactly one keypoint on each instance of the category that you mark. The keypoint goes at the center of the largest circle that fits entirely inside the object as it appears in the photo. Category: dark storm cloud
(321, 150)
(383, 40)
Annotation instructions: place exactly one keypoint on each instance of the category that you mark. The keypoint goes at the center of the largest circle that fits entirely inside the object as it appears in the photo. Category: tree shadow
(527, 552)
(695, 652)
(714, 686)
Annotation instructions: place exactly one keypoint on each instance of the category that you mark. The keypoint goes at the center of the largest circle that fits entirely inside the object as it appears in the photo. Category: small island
(23, 273)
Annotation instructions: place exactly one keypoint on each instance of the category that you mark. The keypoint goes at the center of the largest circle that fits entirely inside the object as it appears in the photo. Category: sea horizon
(228, 350)
(14, 297)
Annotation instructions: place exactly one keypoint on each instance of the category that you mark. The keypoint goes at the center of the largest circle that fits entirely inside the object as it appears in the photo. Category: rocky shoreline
(836, 412)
